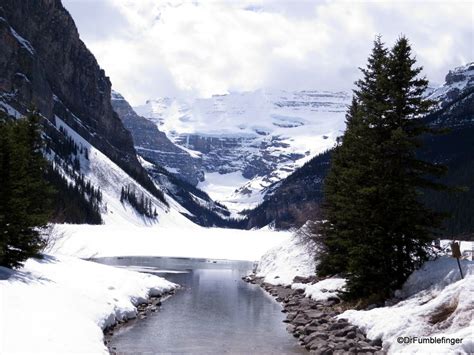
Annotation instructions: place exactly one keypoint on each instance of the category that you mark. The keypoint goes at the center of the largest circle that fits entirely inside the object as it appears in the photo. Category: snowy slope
(102, 172)
(444, 309)
(457, 80)
(294, 257)
(248, 140)
(60, 305)
(433, 302)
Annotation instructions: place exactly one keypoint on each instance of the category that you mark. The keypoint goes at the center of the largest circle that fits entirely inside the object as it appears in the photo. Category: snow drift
(439, 305)
(62, 304)
(293, 257)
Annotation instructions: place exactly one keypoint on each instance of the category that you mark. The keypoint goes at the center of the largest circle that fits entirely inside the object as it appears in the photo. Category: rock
(326, 351)
(63, 79)
(298, 291)
(316, 335)
(351, 335)
(300, 329)
(376, 342)
(301, 319)
(334, 299)
(315, 344)
(345, 331)
(313, 314)
(304, 280)
(308, 329)
(370, 349)
(331, 302)
(337, 326)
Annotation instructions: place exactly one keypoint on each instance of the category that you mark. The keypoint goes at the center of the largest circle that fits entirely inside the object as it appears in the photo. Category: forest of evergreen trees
(376, 230)
(77, 200)
(74, 202)
(141, 204)
(35, 191)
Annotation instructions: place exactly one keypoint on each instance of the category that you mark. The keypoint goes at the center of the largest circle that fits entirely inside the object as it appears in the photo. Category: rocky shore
(143, 311)
(314, 323)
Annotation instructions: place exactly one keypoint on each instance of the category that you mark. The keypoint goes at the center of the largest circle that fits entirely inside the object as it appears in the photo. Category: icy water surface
(213, 312)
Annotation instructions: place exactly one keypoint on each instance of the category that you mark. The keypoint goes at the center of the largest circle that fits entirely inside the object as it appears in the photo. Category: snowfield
(197, 242)
(60, 305)
(277, 128)
(440, 304)
(435, 302)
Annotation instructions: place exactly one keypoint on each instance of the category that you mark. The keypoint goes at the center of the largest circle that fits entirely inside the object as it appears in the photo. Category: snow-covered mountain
(157, 150)
(44, 64)
(246, 141)
(293, 200)
(456, 82)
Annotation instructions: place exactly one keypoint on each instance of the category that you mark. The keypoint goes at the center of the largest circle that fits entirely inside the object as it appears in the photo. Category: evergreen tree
(24, 192)
(349, 183)
(377, 230)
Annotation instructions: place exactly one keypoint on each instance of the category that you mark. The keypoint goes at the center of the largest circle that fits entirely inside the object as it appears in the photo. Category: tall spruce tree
(24, 193)
(376, 230)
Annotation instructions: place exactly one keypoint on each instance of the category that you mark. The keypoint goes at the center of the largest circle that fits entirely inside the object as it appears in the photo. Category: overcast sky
(153, 48)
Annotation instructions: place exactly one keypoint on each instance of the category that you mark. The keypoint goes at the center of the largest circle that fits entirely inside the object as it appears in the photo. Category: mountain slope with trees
(45, 65)
(156, 150)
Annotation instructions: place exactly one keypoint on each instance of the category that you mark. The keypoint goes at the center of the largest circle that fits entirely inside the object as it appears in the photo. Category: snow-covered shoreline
(434, 302)
(62, 304)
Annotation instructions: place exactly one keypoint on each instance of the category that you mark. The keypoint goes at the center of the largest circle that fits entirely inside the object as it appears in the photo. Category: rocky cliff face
(158, 151)
(154, 146)
(43, 63)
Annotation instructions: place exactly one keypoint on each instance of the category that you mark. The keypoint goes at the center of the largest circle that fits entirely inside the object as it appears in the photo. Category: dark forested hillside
(456, 150)
(294, 200)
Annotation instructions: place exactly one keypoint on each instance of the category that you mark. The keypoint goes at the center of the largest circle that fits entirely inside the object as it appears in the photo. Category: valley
(184, 219)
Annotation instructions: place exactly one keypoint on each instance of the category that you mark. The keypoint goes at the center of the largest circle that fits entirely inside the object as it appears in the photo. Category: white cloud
(153, 48)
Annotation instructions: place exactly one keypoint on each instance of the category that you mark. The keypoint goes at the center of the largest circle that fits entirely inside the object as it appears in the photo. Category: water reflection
(214, 312)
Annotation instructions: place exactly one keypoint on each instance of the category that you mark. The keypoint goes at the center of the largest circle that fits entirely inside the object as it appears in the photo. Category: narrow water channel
(213, 312)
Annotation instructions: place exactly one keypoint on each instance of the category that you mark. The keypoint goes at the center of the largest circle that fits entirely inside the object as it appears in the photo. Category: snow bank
(322, 290)
(440, 305)
(293, 257)
(61, 304)
(215, 243)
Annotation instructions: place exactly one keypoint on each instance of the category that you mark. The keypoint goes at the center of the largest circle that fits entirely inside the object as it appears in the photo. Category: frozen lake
(213, 312)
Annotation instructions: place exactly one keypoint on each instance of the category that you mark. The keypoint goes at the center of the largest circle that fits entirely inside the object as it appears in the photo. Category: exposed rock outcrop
(44, 64)
(153, 145)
